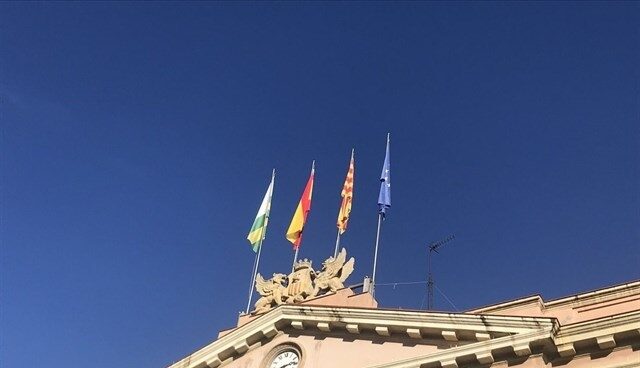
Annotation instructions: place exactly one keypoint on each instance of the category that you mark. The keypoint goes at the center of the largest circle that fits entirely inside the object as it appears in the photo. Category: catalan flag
(294, 233)
(347, 198)
(259, 228)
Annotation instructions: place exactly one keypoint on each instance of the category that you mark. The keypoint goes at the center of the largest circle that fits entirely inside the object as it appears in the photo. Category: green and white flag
(259, 228)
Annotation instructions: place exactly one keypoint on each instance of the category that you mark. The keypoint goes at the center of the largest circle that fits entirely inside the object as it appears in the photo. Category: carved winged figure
(334, 273)
(271, 290)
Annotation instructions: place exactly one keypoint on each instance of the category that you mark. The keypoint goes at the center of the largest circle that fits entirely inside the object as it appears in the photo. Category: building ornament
(303, 283)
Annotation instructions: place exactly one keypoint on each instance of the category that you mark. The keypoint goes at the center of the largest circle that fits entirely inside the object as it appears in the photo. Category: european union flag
(384, 198)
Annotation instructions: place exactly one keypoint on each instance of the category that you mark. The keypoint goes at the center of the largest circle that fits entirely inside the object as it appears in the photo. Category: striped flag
(347, 198)
(294, 233)
(259, 228)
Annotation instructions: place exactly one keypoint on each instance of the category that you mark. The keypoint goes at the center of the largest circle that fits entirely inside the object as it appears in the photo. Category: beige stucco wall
(321, 351)
(342, 351)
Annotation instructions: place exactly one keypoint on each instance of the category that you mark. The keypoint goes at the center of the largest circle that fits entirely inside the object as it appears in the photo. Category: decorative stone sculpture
(334, 272)
(303, 283)
(300, 285)
(272, 292)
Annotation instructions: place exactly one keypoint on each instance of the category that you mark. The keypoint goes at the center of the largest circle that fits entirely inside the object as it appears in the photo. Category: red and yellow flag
(347, 198)
(294, 233)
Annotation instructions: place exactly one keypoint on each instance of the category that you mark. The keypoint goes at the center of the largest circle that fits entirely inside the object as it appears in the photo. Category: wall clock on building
(284, 356)
(286, 359)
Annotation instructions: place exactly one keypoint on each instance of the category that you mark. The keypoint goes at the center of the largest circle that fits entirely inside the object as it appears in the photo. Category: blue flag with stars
(384, 198)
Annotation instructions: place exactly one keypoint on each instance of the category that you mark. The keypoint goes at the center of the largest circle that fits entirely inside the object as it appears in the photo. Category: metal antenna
(433, 247)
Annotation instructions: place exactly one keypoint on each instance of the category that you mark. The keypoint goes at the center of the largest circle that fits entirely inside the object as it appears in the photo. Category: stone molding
(602, 331)
(356, 321)
(504, 332)
(600, 296)
(563, 338)
(473, 338)
(479, 350)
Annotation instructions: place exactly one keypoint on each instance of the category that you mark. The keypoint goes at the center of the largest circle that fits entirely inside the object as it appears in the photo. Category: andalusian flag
(259, 228)
(347, 198)
(294, 233)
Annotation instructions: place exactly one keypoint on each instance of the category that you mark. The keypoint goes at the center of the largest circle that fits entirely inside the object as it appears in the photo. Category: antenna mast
(433, 247)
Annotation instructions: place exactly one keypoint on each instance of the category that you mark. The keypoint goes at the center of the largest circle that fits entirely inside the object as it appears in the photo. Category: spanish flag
(294, 234)
(347, 198)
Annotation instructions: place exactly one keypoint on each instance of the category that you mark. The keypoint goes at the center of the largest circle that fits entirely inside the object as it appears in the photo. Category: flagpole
(375, 256)
(335, 252)
(253, 279)
(295, 258)
(384, 201)
(256, 263)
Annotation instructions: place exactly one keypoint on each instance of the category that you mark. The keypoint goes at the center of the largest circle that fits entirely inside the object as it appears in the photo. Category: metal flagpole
(335, 252)
(384, 201)
(295, 258)
(253, 279)
(375, 256)
(257, 261)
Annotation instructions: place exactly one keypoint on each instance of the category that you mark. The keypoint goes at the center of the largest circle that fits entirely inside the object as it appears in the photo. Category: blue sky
(138, 140)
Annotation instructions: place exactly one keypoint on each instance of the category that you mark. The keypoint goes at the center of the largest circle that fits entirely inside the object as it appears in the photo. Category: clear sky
(138, 140)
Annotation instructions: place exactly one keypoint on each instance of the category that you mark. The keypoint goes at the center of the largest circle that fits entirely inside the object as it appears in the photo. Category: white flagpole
(375, 256)
(253, 279)
(335, 252)
(383, 206)
(257, 260)
(295, 258)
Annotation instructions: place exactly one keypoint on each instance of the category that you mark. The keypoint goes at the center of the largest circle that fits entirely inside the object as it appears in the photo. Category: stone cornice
(477, 337)
(597, 296)
(520, 343)
(535, 299)
(213, 354)
(488, 333)
(412, 319)
(629, 288)
(602, 331)
(601, 327)
(355, 321)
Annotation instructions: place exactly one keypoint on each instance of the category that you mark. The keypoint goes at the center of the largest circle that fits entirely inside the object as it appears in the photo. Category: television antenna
(433, 247)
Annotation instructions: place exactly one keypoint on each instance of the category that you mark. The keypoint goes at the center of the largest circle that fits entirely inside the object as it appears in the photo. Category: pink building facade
(344, 329)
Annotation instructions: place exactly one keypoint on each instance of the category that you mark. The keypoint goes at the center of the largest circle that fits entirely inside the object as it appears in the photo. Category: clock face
(286, 359)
